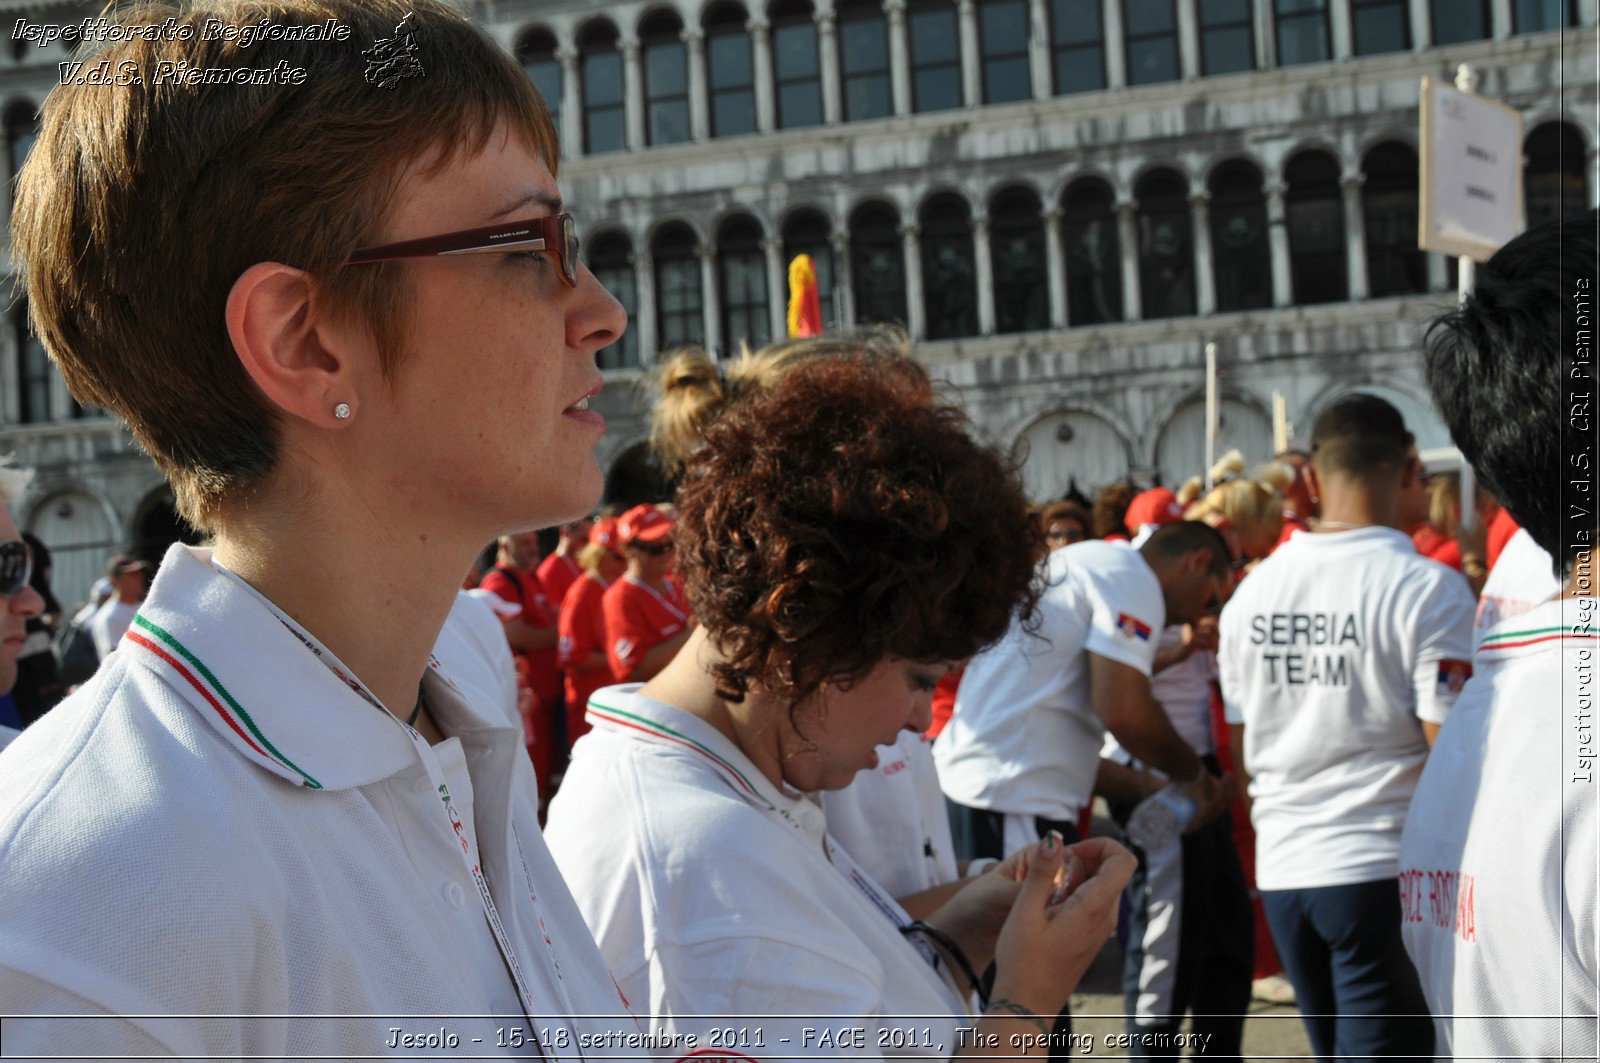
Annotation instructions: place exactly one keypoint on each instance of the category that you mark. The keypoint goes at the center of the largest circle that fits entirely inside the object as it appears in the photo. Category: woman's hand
(974, 916)
(1064, 913)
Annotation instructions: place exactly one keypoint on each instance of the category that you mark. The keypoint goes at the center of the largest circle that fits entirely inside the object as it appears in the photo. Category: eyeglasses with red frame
(555, 233)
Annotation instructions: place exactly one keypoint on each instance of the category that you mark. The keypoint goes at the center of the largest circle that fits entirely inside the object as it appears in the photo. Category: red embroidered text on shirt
(1444, 899)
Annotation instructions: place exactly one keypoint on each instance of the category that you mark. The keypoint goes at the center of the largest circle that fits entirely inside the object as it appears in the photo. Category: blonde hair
(1278, 475)
(1229, 466)
(591, 555)
(1252, 507)
(1444, 503)
(694, 389)
(13, 481)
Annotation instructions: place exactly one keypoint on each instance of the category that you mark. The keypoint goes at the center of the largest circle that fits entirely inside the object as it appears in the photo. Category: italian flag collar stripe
(660, 730)
(1514, 639)
(232, 719)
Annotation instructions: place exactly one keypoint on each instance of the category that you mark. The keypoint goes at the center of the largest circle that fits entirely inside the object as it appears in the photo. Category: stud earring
(342, 411)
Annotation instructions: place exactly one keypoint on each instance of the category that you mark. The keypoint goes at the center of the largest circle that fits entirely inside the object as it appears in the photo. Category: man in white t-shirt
(110, 622)
(1020, 754)
(1340, 657)
(1499, 862)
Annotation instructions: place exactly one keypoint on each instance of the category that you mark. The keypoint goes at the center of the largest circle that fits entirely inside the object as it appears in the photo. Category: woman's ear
(272, 317)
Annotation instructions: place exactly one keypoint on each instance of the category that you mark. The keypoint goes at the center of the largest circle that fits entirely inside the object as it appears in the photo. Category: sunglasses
(654, 549)
(555, 233)
(16, 567)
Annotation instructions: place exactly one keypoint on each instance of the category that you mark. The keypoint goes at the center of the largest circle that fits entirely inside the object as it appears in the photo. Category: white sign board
(1471, 173)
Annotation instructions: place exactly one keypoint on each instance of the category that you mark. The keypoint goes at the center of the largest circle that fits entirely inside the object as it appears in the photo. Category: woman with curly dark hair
(843, 541)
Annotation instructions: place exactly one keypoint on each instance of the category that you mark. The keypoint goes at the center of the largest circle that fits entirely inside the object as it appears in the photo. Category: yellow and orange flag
(805, 306)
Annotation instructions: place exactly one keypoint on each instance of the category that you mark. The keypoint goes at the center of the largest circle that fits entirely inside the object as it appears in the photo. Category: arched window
(807, 232)
(22, 129)
(1094, 254)
(1315, 209)
(600, 69)
(877, 264)
(1532, 16)
(949, 282)
(536, 51)
(1077, 46)
(729, 65)
(1303, 31)
(680, 304)
(864, 60)
(1003, 37)
(33, 372)
(665, 60)
(795, 65)
(1455, 21)
(935, 56)
(1152, 33)
(1227, 36)
(1241, 257)
(1389, 212)
(742, 283)
(1380, 26)
(1553, 180)
(1016, 253)
(610, 258)
(1166, 245)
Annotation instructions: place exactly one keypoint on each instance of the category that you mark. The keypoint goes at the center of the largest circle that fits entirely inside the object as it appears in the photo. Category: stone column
(1421, 26)
(571, 103)
(1266, 34)
(777, 288)
(713, 297)
(633, 92)
(1278, 240)
(828, 56)
(1500, 19)
(1039, 49)
(1188, 40)
(911, 245)
(1116, 44)
(1128, 238)
(1355, 236)
(761, 49)
(899, 55)
(644, 319)
(1205, 285)
(984, 275)
(1055, 257)
(971, 69)
(694, 40)
(844, 302)
(1339, 25)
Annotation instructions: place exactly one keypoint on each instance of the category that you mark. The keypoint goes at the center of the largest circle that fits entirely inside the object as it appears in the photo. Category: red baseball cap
(1155, 506)
(644, 524)
(604, 532)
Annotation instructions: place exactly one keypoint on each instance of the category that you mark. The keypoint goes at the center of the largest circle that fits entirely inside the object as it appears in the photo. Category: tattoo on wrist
(1005, 1004)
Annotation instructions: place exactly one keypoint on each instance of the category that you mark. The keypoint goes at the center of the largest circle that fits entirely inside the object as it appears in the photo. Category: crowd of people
(801, 761)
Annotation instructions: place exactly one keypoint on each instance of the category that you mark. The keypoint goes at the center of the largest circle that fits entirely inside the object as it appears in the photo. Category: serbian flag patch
(1130, 627)
(1453, 675)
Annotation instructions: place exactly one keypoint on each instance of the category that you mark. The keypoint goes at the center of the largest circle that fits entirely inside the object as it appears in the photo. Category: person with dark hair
(1340, 657)
(1498, 861)
(39, 684)
(1064, 523)
(1111, 507)
(843, 540)
(20, 602)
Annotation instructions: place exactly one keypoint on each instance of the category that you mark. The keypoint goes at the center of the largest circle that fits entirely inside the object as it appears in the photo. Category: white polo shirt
(892, 819)
(1499, 861)
(1522, 577)
(217, 824)
(1332, 652)
(1024, 739)
(719, 900)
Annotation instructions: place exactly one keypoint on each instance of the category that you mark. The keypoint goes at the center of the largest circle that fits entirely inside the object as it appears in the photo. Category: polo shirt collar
(622, 710)
(235, 660)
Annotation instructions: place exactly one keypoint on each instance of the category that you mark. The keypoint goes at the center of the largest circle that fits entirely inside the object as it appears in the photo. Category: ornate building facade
(1062, 200)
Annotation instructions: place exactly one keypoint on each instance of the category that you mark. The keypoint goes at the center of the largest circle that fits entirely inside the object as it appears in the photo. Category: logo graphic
(391, 60)
(1132, 628)
(1453, 675)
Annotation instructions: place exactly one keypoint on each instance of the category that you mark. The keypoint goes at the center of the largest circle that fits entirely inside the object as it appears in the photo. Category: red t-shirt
(1441, 548)
(944, 701)
(639, 618)
(557, 574)
(1501, 529)
(1291, 524)
(524, 589)
(583, 631)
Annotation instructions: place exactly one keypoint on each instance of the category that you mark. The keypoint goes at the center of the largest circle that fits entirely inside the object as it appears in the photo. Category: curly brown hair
(843, 516)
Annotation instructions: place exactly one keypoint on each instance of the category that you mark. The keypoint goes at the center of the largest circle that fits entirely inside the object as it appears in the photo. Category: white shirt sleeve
(1444, 646)
(1228, 677)
(1127, 618)
(73, 1023)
